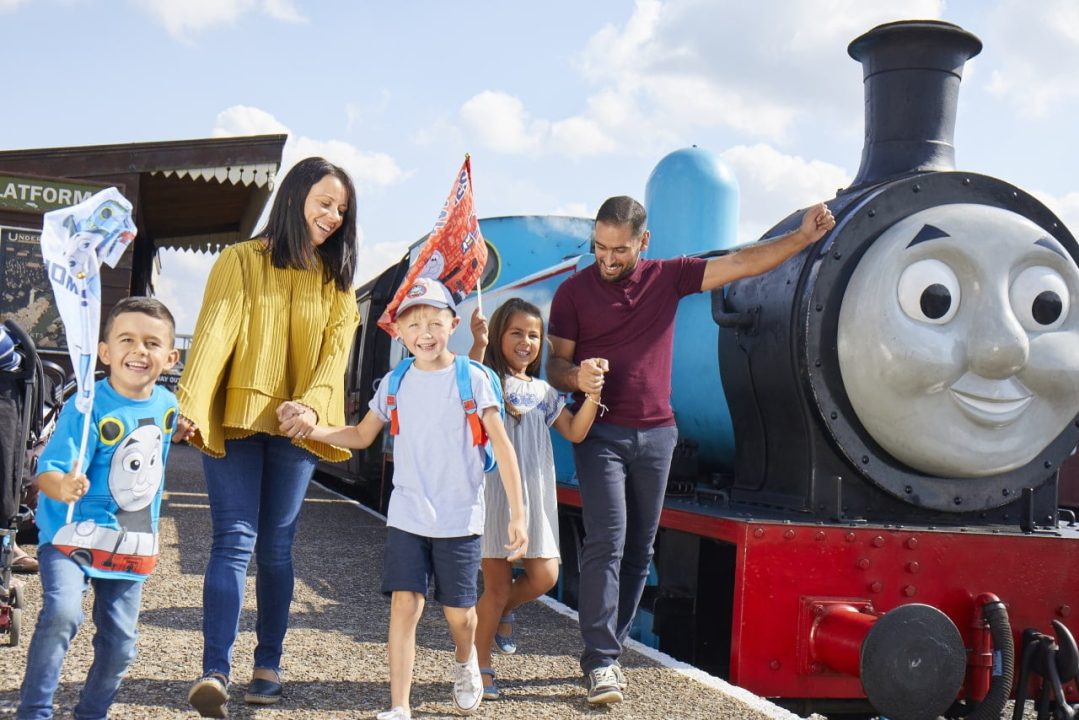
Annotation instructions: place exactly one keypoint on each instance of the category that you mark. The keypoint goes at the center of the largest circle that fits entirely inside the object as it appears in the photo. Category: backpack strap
(391, 392)
(461, 365)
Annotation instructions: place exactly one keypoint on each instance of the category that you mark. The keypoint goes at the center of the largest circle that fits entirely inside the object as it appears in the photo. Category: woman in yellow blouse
(270, 347)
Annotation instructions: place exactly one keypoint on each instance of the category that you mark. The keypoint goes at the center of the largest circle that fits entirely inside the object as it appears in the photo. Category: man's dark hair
(141, 304)
(286, 227)
(623, 210)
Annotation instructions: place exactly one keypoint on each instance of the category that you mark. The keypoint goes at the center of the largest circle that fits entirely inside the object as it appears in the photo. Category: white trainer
(467, 685)
(603, 687)
(397, 712)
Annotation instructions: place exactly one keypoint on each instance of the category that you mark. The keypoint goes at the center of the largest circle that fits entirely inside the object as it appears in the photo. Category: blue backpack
(461, 364)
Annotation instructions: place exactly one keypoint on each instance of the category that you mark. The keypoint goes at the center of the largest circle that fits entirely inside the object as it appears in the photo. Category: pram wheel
(16, 627)
(13, 610)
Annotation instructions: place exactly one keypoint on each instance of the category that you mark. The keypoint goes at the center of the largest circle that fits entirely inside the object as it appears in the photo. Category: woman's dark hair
(286, 228)
(493, 356)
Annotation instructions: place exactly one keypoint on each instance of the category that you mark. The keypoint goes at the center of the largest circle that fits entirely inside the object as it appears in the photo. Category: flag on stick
(74, 242)
(455, 253)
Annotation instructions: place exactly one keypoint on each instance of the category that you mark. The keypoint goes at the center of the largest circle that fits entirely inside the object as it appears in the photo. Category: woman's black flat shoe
(261, 691)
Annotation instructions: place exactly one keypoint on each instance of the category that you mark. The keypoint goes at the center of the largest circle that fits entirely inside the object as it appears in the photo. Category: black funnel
(912, 71)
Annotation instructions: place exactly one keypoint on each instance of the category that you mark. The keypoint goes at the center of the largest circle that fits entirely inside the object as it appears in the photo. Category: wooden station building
(190, 194)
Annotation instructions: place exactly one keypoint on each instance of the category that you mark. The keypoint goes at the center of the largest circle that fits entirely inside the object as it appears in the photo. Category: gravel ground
(335, 660)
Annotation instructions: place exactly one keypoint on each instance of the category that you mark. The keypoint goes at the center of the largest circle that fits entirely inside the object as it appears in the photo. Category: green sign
(38, 195)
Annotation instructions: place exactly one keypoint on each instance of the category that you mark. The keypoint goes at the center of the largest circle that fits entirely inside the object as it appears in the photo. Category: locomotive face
(958, 345)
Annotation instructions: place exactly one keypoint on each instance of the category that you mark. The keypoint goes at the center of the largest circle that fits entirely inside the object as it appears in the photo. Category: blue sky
(561, 103)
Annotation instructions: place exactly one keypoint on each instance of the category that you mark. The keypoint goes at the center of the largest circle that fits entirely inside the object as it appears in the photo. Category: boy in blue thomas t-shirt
(436, 514)
(111, 541)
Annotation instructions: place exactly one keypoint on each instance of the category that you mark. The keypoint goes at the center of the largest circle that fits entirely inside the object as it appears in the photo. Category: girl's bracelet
(595, 400)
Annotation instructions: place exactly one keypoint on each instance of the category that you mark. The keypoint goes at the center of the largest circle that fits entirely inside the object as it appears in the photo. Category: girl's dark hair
(286, 228)
(493, 356)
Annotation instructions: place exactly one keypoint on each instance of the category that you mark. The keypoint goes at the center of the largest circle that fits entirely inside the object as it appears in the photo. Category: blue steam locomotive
(862, 513)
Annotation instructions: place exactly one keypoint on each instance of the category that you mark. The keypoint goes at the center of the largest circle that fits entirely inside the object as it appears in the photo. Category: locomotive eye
(1039, 298)
(133, 462)
(929, 292)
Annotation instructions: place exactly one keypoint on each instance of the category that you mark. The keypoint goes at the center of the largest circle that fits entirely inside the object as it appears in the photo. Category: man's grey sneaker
(467, 685)
(603, 687)
(397, 712)
(620, 676)
(210, 696)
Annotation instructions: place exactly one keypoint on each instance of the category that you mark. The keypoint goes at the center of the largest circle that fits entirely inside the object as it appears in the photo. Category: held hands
(185, 428)
(816, 221)
(518, 544)
(590, 375)
(297, 420)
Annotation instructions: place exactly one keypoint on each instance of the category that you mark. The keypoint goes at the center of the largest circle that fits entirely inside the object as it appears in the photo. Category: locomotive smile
(991, 403)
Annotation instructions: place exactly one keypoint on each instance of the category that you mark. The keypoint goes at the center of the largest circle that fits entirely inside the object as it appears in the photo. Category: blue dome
(692, 203)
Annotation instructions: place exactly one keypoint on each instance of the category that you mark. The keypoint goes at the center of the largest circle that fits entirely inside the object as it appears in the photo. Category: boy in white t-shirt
(436, 514)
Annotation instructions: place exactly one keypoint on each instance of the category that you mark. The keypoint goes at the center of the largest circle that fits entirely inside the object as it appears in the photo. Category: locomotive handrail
(731, 320)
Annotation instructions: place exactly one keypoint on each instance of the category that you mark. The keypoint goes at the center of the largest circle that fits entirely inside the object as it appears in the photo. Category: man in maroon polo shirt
(622, 308)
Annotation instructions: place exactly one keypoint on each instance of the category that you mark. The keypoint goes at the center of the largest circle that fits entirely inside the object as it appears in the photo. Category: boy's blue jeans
(256, 492)
(116, 616)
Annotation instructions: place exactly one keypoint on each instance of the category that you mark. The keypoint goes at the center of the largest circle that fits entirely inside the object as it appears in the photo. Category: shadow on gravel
(337, 556)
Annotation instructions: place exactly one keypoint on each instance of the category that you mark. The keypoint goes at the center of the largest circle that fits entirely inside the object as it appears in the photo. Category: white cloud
(580, 137)
(500, 122)
(181, 283)
(246, 120)
(1035, 78)
(441, 130)
(191, 16)
(7, 5)
(700, 63)
(1066, 208)
(283, 10)
(672, 69)
(369, 170)
(773, 185)
(574, 209)
(374, 258)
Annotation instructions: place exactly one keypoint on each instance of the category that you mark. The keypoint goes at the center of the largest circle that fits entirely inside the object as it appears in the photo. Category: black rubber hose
(1000, 687)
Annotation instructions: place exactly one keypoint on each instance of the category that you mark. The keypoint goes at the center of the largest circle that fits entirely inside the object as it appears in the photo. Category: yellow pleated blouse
(266, 335)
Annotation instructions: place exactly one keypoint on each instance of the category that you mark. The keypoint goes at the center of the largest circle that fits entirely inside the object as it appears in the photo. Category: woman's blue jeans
(116, 616)
(256, 492)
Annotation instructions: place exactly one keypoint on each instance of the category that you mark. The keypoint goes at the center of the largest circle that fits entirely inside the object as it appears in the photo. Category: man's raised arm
(763, 256)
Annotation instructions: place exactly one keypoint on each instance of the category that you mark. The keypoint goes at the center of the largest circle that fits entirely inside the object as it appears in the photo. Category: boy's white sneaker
(397, 712)
(467, 685)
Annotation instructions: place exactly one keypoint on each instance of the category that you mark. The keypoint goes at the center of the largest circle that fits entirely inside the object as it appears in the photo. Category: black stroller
(30, 399)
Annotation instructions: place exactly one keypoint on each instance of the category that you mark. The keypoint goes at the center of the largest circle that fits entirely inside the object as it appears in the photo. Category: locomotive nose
(998, 346)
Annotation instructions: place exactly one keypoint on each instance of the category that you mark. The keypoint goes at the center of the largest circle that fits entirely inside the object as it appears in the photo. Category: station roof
(189, 194)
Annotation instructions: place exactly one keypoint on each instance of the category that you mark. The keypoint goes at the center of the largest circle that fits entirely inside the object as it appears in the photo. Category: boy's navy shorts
(411, 561)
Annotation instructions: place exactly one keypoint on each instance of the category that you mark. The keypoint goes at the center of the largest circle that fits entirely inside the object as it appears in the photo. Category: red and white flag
(455, 253)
